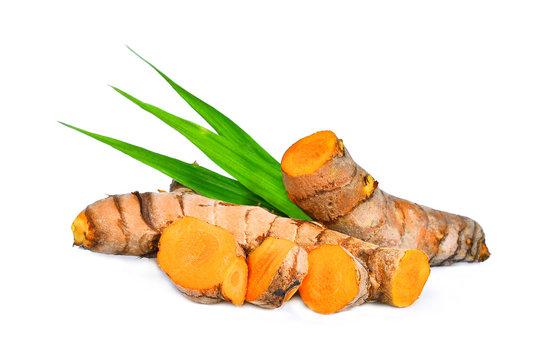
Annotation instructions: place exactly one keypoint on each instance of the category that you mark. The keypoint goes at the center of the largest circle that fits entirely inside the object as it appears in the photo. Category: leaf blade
(217, 120)
(198, 178)
(260, 177)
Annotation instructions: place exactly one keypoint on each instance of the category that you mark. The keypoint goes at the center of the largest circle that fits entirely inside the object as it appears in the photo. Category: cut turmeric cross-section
(308, 156)
(202, 260)
(335, 281)
(410, 277)
(276, 269)
(235, 283)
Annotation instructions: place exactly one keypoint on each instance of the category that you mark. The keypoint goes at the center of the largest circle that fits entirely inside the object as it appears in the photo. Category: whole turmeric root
(321, 177)
(131, 224)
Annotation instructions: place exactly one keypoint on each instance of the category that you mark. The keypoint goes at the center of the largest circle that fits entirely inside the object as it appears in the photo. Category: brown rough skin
(344, 197)
(107, 226)
(209, 296)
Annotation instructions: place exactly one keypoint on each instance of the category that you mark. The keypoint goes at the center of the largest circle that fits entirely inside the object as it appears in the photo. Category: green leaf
(198, 178)
(220, 122)
(260, 177)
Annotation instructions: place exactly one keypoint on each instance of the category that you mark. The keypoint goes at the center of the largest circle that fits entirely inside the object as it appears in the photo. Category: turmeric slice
(335, 281)
(235, 283)
(321, 178)
(276, 269)
(202, 260)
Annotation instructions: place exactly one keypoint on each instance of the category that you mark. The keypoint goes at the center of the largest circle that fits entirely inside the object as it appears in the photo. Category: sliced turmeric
(203, 261)
(276, 269)
(321, 177)
(100, 227)
(335, 281)
(234, 285)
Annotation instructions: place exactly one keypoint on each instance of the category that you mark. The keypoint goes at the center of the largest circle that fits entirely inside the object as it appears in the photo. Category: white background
(438, 100)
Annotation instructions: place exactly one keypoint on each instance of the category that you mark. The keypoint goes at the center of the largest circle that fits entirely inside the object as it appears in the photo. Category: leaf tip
(137, 54)
(116, 89)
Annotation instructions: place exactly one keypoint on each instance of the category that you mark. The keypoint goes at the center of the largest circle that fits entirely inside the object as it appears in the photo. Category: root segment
(321, 177)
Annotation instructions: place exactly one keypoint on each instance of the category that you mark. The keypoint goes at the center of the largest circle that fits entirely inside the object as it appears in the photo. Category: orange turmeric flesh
(332, 280)
(81, 229)
(198, 256)
(263, 264)
(410, 276)
(308, 154)
(235, 282)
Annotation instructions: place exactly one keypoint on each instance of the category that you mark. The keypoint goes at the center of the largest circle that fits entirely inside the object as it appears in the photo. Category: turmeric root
(276, 269)
(335, 281)
(203, 261)
(108, 226)
(321, 177)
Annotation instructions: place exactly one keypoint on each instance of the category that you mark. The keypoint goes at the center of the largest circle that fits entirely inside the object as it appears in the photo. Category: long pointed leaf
(198, 178)
(220, 122)
(258, 176)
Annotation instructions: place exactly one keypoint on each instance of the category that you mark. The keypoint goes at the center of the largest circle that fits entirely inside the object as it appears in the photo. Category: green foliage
(196, 177)
(258, 174)
(218, 121)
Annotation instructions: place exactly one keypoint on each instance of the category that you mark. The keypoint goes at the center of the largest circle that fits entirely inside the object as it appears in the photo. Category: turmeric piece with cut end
(336, 280)
(106, 227)
(276, 269)
(203, 261)
(409, 278)
(321, 178)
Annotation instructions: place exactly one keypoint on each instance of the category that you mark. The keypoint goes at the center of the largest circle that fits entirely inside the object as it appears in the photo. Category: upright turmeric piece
(109, 226)
(203, 261)
(321, 177)
(335, 281)
(276, 269)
